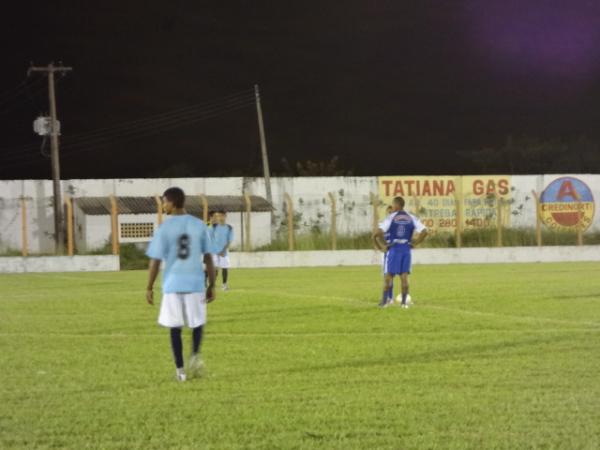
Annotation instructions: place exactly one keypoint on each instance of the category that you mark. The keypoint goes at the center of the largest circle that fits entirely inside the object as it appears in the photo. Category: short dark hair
(222, 211)
(211, 213)
(176, 196)
(399, 201)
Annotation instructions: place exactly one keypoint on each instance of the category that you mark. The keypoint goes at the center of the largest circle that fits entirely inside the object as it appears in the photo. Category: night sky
(391, 87)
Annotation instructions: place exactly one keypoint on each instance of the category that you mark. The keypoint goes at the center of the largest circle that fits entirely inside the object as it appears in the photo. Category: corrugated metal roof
(97, 206)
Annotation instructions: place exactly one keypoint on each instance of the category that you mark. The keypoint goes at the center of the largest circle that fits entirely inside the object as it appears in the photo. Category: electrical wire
(23, 88)
(140, 132)
(169, 127)
(150, 121)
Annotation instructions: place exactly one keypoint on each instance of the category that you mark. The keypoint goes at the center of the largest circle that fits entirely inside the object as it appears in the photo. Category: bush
(131, 256)
(319, 241)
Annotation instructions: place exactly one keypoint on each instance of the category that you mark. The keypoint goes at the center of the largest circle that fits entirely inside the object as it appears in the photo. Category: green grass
(495, 356)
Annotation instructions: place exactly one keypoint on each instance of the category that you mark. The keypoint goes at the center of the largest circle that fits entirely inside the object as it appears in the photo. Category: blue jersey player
(400, 225)
(183, 244)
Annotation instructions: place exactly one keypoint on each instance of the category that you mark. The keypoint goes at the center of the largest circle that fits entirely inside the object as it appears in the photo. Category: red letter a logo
(567, 190)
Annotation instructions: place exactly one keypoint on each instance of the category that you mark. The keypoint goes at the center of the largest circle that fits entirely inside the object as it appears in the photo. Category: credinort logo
(567, 202)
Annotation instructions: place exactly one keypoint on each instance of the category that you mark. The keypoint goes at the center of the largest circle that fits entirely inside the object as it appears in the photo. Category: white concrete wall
(260, 234)
(95, 263)
(420, 256)
(310, 198)
(97, 232)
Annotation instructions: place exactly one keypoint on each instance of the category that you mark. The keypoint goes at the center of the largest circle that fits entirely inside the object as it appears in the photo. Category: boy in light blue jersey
(183, 243)
(222, 235)
(400, 225)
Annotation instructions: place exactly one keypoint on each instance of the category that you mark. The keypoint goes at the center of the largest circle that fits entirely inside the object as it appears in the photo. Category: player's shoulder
(229, 227)
(196, 222)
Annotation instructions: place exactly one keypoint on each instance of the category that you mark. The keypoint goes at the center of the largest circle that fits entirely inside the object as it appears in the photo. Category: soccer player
(386, 237)
(212, 222)
(182, 242)
(222, 234)
(401, 226)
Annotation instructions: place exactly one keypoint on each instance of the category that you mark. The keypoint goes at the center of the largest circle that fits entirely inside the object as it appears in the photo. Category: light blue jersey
(221, 235)
(180, 242)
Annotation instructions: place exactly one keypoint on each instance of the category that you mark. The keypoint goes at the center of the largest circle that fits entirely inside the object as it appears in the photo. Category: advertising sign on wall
(566, 203)
(434, 199)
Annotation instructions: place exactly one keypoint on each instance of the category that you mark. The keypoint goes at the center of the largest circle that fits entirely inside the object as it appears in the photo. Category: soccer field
(494, 356)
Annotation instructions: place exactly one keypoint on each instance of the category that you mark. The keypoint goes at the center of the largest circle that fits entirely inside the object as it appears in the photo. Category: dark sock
(225, 273)
(404, 294)
(196, 339)
(177, 347)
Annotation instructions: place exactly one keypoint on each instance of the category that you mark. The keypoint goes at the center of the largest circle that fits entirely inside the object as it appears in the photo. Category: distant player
(222, 235)
(401, 226)
(183, 243)
(386, 237)
(212, 222)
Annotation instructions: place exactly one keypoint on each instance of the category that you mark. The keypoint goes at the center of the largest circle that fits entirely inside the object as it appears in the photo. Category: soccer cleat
(384, 303)
(405, 305)
(180, 375)
(195, 366)
(225, 288)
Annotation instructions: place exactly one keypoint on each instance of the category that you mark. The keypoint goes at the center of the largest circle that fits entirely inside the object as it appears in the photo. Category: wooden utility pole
(333, 221)
(24, 240)
(70, 227)
(290, 224)
(538, 219)
(265, 158)
(50, 70)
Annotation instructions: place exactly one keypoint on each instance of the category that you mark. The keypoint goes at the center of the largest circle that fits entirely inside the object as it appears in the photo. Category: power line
(100, 143)
(148, 121)
(140, 131)
(159, 124)
(15, 93)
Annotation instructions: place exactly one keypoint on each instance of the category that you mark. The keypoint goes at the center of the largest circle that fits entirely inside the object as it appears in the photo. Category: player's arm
(153, 269)
(156, 252)
(420, 238)
(210, 272)
(379, 241)
(222, 252)
(419, 228)
(229, 240)
(379, 234)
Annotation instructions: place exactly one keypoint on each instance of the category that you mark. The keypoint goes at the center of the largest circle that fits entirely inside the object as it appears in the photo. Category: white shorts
(220, 262)
(179, 309)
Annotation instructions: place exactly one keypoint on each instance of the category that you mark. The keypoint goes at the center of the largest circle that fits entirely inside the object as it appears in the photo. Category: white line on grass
(421, 305)
(509, 316)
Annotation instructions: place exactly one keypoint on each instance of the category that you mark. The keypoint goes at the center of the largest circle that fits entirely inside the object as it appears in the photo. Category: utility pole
(265, 158)
(50, 70)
